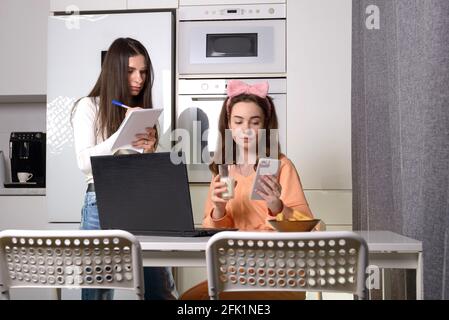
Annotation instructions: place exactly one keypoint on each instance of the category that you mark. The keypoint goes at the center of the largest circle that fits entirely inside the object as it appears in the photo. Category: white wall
(23, 56)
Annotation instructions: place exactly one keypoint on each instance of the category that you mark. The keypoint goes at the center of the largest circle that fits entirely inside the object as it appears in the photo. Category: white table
(387, 250)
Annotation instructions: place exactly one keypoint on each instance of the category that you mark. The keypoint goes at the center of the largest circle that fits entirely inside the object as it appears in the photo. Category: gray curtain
(400, 127)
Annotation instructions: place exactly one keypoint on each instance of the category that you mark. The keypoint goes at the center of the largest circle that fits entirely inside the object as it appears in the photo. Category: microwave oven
(246, 39)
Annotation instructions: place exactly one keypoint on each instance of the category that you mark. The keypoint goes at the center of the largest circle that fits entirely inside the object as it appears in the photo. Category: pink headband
(237, 87)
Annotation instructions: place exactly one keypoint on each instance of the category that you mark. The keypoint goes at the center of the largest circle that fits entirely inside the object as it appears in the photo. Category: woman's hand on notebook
(128, 111)
(146, 141)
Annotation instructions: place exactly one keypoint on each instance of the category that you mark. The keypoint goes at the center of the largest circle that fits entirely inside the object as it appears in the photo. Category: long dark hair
(112, 84)
(270, 123)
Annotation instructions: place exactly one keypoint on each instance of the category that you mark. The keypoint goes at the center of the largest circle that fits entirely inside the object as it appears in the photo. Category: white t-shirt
(87, 143)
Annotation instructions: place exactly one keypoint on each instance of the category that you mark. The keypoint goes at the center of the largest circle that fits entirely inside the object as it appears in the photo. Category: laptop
(145, 194)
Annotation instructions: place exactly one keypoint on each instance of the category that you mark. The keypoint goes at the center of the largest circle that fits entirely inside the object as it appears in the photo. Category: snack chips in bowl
(298, 223)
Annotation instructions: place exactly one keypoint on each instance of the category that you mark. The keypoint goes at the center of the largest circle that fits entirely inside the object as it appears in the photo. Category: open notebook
(134, 124)
(145, 194)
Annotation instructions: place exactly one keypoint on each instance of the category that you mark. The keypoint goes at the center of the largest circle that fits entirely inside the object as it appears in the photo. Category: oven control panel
(238, 12)
(219, 86)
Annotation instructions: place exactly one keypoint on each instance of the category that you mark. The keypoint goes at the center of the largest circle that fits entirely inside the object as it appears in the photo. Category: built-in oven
(198, 109)
(241, 39)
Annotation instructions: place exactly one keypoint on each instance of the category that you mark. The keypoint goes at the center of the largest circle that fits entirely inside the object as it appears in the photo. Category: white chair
(101, 259)
(296, 261)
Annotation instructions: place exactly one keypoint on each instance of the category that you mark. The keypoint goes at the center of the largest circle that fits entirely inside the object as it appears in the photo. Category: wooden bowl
(294, 226)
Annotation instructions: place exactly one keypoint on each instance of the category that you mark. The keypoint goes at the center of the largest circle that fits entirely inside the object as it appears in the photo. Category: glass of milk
(223, 170)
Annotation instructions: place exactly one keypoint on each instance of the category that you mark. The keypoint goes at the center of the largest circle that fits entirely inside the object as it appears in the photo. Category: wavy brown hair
(270, 123)
(112, 84)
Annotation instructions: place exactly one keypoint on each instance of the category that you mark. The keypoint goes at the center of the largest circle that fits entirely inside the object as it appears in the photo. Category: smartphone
(266, 167)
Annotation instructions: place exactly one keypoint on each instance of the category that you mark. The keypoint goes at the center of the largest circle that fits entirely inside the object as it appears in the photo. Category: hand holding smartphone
(266, 167)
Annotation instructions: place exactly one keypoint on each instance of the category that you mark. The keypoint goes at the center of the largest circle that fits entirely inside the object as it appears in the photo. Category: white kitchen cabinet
(107, 5)
(87, 5)
(23, 212)
(28, 212)
(23, 54)
(319, 92)
(334, 208)
(152, 4)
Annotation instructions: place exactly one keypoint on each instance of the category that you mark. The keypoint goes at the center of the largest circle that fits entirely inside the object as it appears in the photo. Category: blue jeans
(159, 283)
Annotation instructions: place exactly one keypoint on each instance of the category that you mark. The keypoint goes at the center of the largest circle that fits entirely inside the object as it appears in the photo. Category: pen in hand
(118, 103)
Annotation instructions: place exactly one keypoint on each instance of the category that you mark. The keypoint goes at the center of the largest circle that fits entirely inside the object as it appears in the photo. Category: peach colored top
(253, 215)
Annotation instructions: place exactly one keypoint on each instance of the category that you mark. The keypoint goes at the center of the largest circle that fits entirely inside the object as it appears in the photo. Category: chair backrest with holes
(290, 261)
(70, 258)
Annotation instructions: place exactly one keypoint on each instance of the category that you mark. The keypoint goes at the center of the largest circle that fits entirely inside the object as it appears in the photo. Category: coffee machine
(27, 152)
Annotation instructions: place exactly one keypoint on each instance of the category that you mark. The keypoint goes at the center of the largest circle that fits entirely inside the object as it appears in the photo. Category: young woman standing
(127, 76)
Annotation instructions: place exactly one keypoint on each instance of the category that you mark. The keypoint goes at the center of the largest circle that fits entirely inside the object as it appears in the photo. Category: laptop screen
(142, 192)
